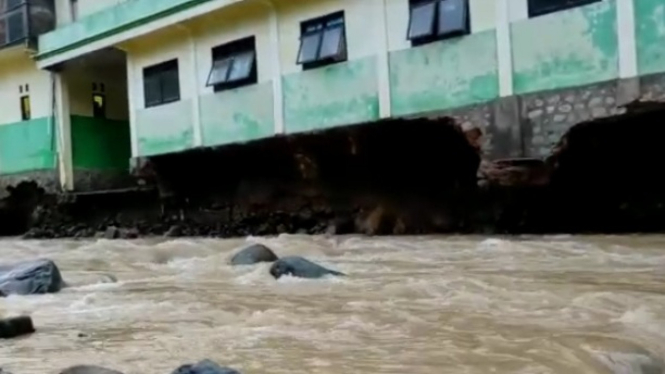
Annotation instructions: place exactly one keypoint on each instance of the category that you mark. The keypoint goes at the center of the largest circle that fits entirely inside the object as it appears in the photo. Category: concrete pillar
(277, 90)
(133, 102)
(196, 101)
(383, 68)
(504, 48)
(626, 34)
(194, 72)
(64, 133)
(629, 87)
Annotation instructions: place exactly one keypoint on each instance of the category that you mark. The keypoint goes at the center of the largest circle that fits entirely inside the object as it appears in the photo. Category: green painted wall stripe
(165, 128)
(100, 143)
(108, 22)
(443, 75)
(566, 49)
(650, 36)
(239, 115)
(27, 146)
(340, 94)
(438, 76)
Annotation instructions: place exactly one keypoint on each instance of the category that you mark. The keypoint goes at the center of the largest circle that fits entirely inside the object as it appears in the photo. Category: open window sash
(421, 20)
(332, 43)
(241, 66)
(219, 73)
(310, 44)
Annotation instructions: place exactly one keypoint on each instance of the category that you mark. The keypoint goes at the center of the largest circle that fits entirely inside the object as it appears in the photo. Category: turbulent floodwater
(410, 305)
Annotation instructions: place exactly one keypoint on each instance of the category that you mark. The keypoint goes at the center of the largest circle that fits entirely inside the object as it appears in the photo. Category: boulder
(297, 266)
(204, 367)
(16, 326)
(254, 254)
(88, 369)
(30, 277)
(113, 232)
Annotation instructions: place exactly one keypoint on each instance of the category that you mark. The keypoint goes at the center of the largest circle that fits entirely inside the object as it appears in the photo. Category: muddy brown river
(559, 304)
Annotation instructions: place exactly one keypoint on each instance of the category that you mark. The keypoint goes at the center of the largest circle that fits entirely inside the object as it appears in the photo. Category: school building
(88, 87)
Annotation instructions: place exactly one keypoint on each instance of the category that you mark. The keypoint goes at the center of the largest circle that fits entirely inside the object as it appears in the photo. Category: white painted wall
(156, 48)
(62, 12)
(483, 17)
(192, 45)
(79, 83)
(361, 21)
(518, 10)
(371, 28)
(16, 70)
(248, 20)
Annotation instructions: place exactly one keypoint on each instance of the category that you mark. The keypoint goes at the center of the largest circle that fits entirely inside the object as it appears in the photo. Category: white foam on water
(422, 304)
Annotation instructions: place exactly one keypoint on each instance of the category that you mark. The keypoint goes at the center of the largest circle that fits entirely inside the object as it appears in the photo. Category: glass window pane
(152, 91)
(3, 31)
(219, 72)
(170, 85)
(313, 28)
(332, 42)
(422, 20)
(13, 4)
(309, 47)
(538, 7)
(16, 30)
(335, 22)
(452, 16)
(242, 66)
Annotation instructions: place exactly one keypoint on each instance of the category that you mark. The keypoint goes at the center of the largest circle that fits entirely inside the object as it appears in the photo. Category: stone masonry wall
(547, 116)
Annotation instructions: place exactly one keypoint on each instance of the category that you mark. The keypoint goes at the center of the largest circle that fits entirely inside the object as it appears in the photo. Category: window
(322, 41)
(11, 4)
(161, 84)
(98, 105)
(542, 7)
(233, 65)
(14, 27)
(25, 108)
(433, 20)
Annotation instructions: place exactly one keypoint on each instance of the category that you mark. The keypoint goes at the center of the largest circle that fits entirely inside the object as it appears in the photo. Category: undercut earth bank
(388, 178)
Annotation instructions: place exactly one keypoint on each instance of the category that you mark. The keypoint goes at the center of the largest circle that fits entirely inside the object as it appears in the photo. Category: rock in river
(204, 367)
(254, 254)
(297, 266)
(16, 326)
(88, 369)
(30, 277)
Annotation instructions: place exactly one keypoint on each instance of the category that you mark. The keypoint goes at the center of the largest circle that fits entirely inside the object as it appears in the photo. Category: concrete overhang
(118, 24)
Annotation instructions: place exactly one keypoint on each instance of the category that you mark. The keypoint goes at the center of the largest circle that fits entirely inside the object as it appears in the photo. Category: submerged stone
(30, 277)
(638, 361)
(254, 254)
(297, 266)
(204, 367)
(89, 369)
(16, 326)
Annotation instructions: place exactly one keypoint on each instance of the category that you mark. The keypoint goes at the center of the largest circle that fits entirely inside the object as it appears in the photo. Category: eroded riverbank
(394, 178)
(418, 304)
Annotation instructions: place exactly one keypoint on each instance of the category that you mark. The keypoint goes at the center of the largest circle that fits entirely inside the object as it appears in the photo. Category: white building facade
(123, 79)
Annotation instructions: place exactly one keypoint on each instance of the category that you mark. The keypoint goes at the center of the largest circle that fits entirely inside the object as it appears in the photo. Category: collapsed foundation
(394, 177)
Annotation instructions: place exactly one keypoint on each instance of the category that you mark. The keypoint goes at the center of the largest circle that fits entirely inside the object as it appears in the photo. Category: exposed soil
(394, 177)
